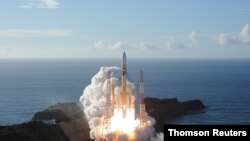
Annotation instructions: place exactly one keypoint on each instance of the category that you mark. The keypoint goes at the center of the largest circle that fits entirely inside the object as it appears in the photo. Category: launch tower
(143, 119)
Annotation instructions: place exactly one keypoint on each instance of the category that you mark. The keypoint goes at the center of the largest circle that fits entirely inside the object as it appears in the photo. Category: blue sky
(143, 28)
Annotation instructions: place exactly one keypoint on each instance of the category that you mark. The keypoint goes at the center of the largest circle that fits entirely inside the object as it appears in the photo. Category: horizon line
(115, 58)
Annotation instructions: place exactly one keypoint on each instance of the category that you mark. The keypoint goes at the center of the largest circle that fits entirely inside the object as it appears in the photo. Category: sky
(214, 29)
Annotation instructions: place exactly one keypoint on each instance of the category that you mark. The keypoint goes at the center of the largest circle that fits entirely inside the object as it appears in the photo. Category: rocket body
(125, 104)
(124, 95)
(124, 98)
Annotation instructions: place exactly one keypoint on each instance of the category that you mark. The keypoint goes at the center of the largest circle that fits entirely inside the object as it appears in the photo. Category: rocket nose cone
(124, 58)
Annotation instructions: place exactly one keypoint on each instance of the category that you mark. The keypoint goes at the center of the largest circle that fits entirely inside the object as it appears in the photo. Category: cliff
(32, 131)
(163, 109)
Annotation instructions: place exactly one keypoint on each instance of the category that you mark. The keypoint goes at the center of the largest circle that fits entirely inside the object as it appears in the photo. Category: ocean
(28, 86)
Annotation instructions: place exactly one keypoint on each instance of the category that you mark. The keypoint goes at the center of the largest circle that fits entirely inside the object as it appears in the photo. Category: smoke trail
(93, 101)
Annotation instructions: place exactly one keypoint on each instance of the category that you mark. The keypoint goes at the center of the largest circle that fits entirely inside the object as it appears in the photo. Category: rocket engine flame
(126, 124)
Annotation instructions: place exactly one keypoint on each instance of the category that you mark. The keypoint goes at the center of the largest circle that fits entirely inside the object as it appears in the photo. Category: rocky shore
(66, 121)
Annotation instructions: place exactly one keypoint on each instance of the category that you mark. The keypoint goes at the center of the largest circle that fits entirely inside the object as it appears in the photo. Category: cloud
(178, 44)
(192, 36)
(224, 39)
(183, 42)
(118, 45)
(35, 33)
(242, 38)
(102, 44)
(145, 46)
(190, 40)
(193, 39)
(50, 4)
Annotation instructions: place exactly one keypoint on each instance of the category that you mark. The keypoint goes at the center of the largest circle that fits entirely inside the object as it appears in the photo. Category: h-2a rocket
(124, 101)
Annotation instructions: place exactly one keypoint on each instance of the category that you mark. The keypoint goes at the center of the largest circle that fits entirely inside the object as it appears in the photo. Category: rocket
(124, 95)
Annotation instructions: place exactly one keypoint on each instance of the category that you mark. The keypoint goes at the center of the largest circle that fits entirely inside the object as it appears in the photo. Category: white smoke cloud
(93, 100)
(159, 137)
